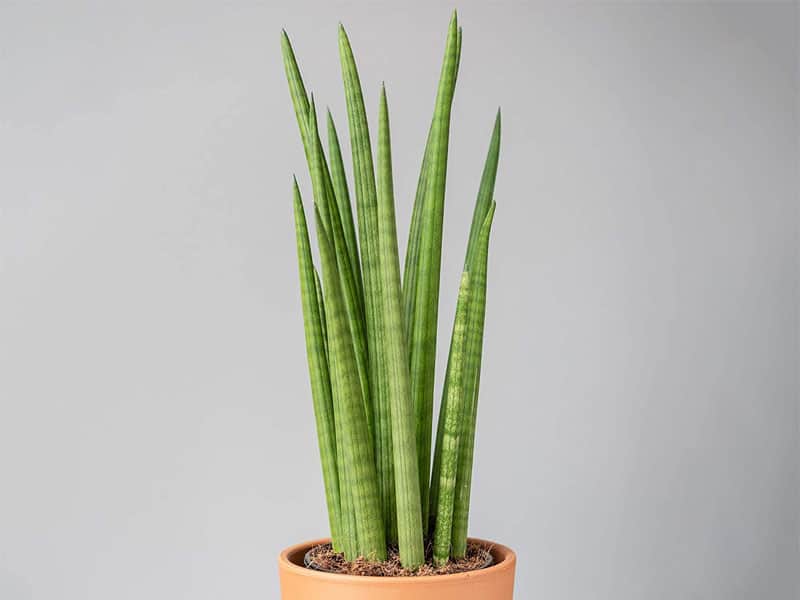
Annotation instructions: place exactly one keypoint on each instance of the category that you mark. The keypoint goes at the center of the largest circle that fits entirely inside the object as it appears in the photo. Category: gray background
(639, 419)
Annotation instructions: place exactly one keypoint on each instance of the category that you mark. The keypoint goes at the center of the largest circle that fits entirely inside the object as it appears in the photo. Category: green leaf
(423, 321)
(411, 268)
(482, 205)
(367, 209)
(324, 199)
(321, 309)
(343, 202)
(415, 230)
(314, 325)
(297, 89)
(453, 406)
(395, 357)
(349, 413)
(486, 189)
(471, 383)
(349, 544)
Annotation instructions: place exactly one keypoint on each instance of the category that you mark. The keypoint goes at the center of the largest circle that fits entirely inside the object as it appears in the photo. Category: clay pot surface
(301, 583)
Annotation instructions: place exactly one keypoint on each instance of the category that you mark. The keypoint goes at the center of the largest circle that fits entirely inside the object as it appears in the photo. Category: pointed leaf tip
(286, 44)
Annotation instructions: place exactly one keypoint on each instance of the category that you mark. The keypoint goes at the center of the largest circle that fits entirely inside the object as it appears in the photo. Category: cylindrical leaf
(351, 421)
(313, 319)
(423, 324)
(395, 357)
(453, 407)
(471, 383)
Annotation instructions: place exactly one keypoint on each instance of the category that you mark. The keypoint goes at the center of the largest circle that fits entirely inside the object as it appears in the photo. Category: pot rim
(504, 557)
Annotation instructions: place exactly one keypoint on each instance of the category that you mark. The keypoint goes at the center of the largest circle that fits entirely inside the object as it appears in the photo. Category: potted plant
(398, 516)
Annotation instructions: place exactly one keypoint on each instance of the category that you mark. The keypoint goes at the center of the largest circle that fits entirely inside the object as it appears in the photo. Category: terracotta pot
(492, 583)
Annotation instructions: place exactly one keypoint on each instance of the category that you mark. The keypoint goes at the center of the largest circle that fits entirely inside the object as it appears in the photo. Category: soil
(323, 558)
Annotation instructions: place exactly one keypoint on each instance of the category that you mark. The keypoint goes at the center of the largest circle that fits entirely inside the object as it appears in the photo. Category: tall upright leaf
(482, 204)
(313, 321)
(326, 200)
(350, 416)
(453, 409)
(367, 209)
(395, 357)
(471, 383)
(328, 208)
(410, 269)
(423, 320)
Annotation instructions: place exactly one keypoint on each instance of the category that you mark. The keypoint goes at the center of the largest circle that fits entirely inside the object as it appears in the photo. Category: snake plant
(371, 337)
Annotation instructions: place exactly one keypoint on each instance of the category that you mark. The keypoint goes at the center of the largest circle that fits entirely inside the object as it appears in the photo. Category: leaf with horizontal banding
(452, 421)
(482, 203)
(323, 195)
(471, 383)
(367, 207)
(349, 413)
(423, 320)
(343, 201)
(314, 326)
(395, 356)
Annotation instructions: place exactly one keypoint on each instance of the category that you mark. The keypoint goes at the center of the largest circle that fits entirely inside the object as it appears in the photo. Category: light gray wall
(639, 416)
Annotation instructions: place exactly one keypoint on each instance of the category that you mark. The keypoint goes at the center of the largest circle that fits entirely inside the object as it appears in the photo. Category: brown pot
(492, 583)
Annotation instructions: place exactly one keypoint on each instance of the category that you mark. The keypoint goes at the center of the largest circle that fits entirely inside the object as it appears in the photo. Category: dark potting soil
(323, 558)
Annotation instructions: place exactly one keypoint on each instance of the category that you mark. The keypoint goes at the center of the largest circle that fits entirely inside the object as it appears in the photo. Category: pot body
(492, 583)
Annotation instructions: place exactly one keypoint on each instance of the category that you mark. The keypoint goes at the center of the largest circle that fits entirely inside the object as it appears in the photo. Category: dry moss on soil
(323, 558)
